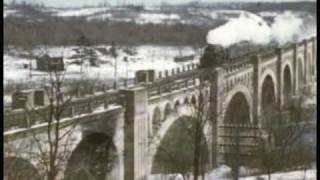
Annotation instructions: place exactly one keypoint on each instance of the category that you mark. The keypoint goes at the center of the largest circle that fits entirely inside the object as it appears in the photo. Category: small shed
(145, 76)
(48, 64)
(29, 98)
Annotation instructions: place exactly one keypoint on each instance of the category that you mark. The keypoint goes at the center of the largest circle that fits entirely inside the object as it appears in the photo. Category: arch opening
(186, 100)
(16, 168)
(176, 105)
(268, 101)
(201, 99)
(176, 150)
(167, 111)
(301, 75)
(193, 100)
(237, 113)
(94, 158)
(287, 86)
(311, 65)
(238, 110)
(156, 119)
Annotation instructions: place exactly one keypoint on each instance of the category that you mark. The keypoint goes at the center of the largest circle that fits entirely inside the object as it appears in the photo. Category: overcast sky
(72, 3)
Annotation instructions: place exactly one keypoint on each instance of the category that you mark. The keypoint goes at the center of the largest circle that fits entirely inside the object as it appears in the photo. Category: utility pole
(114, 55)
(125, 59)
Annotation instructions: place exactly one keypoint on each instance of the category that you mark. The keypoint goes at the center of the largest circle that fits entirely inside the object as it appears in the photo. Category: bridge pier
(136, 134)
(256, 61)
(216, 114)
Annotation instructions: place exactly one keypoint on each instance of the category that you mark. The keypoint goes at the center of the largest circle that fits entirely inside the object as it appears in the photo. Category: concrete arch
(287, 84)
(156, 118)
(310, 65)
(167, 111)
(176, 104)
(95, 157)
(186, 100)
(201, 98)
(269, 73)
(247, 97)
(16, 168)
(238, 107)
(300, 71)
(169, 135)
(193, 100)
(289, 65)
(268, 101)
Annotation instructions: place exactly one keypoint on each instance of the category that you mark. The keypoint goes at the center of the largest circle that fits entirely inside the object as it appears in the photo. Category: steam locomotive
(215, 54)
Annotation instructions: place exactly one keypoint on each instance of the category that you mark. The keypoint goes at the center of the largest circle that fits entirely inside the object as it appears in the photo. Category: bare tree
(278, 144)
(190, 157)
(50, 148)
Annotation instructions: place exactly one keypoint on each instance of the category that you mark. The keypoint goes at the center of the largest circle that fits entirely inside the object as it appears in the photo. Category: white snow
(80, 12)
(100, 17)
(8, 12)
(148, 57)
(311, 174)
(156, 18)
(223, 173)
(268, 13)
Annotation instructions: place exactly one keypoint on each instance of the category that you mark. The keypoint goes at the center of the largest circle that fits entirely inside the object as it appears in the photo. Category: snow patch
(145, 18)
(80, 12)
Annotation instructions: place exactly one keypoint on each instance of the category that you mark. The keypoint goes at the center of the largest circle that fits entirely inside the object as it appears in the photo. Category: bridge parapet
(176, 71)
(287, 48)
(22, 118)
(157, 89)
(269, 54)
(235, 68)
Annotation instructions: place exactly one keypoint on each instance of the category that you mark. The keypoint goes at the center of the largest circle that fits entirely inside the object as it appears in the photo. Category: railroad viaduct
(132, 122)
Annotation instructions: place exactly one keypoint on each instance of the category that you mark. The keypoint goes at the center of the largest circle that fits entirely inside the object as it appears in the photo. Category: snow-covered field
(8, 12)
(223, 172)
(310, 174)
(148, 57)
(79, 12)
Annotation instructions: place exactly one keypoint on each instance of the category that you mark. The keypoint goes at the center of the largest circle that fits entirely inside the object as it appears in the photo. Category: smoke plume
(287, 27)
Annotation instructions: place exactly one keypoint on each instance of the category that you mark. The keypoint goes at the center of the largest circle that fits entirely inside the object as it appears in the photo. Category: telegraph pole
(114, 55)
(125, 59)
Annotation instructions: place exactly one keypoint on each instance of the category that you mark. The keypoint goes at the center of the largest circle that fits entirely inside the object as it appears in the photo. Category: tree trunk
(197, 143)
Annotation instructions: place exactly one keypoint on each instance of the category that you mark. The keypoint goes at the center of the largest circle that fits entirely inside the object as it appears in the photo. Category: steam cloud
(287, 27)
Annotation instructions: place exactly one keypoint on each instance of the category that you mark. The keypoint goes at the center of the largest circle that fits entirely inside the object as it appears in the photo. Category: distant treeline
(252, 6)
(56, 31)
(37, 27)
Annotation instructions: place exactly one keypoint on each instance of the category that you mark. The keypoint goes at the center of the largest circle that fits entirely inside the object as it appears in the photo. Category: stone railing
(176, 71)
(177, 81)
(23, 118)
(234, 68)
(168, 87)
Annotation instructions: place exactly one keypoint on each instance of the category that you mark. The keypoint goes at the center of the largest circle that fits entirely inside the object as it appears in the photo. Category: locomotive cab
(213, 55)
